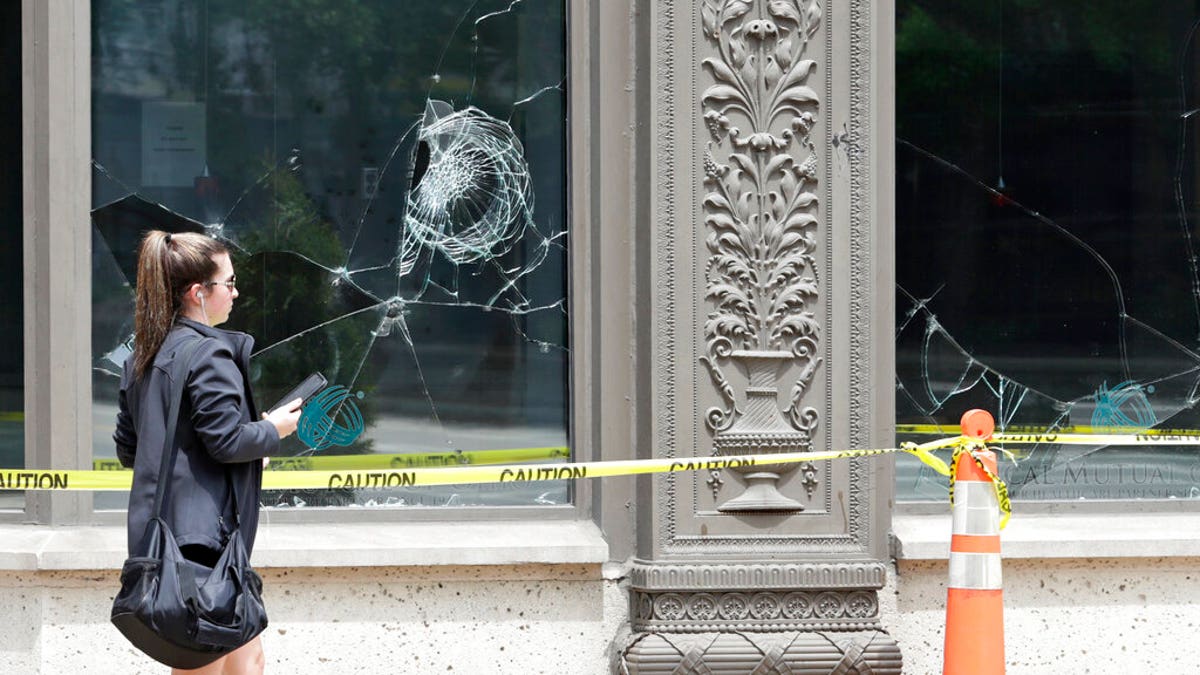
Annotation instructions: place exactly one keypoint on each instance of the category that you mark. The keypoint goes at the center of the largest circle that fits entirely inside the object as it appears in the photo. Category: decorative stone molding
(764, 576)
(755, 596)
(857, 146)
(692, 612)
(865, 653)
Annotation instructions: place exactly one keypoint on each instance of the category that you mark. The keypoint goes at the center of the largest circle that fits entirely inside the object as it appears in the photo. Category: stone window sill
(292, 545)
(1032, 536)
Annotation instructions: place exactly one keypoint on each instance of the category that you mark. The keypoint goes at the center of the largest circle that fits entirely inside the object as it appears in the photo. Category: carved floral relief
(761, 219)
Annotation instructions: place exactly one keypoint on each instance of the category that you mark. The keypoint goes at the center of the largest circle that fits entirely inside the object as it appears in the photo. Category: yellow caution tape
(15, 479)
(969, 446)
(1027, 430)
(380, 471)
(394, 461)
(1139, 438)
(32, 479)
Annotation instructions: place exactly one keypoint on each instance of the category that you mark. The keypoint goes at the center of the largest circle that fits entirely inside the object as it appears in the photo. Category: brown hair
(167, 265)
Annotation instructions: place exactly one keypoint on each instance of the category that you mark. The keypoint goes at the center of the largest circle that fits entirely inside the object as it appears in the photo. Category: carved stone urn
(761, 428)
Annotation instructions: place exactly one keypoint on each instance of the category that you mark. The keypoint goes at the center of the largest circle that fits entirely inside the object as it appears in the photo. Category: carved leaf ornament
(760, 177)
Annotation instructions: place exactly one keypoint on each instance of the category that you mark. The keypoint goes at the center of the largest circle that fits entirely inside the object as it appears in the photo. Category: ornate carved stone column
(772, 332)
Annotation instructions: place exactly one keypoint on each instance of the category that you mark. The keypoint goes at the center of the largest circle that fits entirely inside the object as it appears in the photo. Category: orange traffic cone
(974, 602)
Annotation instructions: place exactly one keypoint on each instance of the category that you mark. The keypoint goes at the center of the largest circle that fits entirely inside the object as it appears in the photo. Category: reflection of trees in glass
(284, 295)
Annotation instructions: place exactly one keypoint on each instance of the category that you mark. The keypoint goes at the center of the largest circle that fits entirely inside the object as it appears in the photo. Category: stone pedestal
(757, 653)
(758, 618)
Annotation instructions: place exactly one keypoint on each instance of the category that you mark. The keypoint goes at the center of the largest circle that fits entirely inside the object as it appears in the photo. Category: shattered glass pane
(1046, 253)
(391, 177)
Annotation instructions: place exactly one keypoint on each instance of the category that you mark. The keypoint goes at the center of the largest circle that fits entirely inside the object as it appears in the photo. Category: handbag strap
(179, 371)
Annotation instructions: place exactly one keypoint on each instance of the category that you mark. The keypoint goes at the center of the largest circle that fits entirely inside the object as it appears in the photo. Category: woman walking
(185, 287)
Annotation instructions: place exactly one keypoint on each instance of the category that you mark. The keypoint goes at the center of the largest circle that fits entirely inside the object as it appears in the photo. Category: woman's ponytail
(168, 264)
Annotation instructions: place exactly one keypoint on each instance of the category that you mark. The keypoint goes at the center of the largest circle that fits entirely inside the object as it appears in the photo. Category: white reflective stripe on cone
(976, 571)
(976, 510)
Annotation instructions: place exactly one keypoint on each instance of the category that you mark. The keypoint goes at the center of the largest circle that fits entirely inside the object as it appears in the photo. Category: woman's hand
(285, 418)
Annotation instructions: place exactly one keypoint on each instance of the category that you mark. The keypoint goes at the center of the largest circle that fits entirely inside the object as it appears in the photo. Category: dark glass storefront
(1047, 236)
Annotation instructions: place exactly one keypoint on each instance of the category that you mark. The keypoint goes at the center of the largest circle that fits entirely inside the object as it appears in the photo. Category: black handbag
(187, 613)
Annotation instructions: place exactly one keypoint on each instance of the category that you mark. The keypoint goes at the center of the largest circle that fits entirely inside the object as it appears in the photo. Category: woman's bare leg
(214, 668)
(245, 660)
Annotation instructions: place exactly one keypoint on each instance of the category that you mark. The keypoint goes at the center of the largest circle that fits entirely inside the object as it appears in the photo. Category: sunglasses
(227, 284)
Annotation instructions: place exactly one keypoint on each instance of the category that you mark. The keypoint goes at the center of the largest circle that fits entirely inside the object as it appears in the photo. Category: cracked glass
(391, 179)
(1046, 237)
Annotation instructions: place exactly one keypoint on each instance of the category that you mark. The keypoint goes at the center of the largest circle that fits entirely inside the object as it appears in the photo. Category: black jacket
(218, 429)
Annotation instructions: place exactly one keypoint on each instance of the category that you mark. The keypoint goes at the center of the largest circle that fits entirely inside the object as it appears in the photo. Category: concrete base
(526, 619)
(1106, 616)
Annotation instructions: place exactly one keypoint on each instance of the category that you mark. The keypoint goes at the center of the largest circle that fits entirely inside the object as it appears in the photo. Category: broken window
(391, 179)
(1046, 237)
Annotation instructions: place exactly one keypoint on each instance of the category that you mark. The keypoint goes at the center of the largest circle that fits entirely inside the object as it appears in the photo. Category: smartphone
(305, 390)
